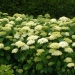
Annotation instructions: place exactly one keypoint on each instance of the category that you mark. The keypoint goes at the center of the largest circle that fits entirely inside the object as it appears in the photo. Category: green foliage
(42, 46)
(56, 8)
(6, 70)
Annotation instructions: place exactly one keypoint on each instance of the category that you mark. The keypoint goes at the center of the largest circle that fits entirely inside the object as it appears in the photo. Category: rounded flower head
(20, 70)
(7, 48)
(67, 40)
(63, 44)
(25, 47)
(11, 22)
(42, 41)
(56, 53)
(68, 59)
(1, 45)
(38, 27)
(64, 19)
(52, 37)
(15, 50)
(17, 35)
(57, 28)
(25, 28)
(54, 45)
(52, 50)
(73, 36)
(70, 65)
(6, 28)
(19, 44)
(8, 25)
(18, 19)
(73, 44)
(69, 50)
(33, 37)
(30, 42)
(53, 21)
(30, 23)
(39, 52)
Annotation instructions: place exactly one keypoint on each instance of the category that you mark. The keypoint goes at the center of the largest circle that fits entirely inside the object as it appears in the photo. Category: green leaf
(22, 58)
(58, 63)
(50, 70)
(1, 53)
(39, 66)
(1, 73)
(8, 57)
(26, 66)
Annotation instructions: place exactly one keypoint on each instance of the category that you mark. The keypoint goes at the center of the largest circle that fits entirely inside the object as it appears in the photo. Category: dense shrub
(42, 46)
(56, 8)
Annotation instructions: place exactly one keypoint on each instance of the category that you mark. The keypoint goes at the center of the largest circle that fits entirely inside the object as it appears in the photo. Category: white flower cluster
(43, 38)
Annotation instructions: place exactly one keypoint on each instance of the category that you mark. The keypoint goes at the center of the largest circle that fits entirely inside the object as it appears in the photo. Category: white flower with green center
(68, 59)
(1, 45)
(33, 37)
(73, 44)
(7, 48)
(15, 50)
(2, 33)
(18, 19)
(8, 25)
(73, 36)
(63, 44)
(53, 20)
(54, 45)
(52, 50)
(25, 28)
(25, 47)
(23, 23)
(64, 28)
(19, 44)
(17, 35)
(57, 34)
(66, 34)
(67, 40)
(52, 37)
(39, 52)
(42, 40)
(30, 42)
(6, 28)
(58, 28)
(64, 19)
(70, 65)
(11, 22)
(56, 53)
(30, 23)
(69, 50)
(38, 27)
(5, 19)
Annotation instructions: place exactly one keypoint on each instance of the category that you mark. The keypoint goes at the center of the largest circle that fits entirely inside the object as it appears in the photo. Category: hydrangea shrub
(38, 46)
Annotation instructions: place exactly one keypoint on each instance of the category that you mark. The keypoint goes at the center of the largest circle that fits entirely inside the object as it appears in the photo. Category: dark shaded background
(56, 8)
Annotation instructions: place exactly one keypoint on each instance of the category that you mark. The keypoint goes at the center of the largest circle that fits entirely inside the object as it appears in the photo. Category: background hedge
(56, 8)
